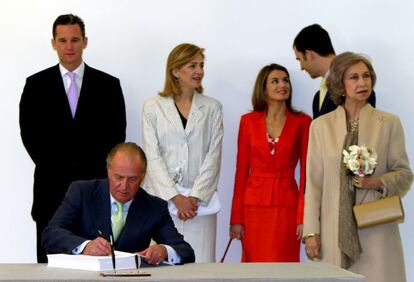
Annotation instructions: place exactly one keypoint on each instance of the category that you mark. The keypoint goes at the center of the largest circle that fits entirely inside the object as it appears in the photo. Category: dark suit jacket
(328, 105)
(63, 148)
(86, 209)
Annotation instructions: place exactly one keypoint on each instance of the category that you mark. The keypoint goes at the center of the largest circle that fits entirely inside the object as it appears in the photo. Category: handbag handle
(363, 198)
(366, 193)
(227, 248)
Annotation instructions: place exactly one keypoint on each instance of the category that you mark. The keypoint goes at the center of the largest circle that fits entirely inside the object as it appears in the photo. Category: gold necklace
(353, 124)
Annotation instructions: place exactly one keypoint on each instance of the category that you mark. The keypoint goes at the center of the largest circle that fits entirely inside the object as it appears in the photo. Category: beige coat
(382, 258)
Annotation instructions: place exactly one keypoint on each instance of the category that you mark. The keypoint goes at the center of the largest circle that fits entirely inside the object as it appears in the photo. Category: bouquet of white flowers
(360, 160)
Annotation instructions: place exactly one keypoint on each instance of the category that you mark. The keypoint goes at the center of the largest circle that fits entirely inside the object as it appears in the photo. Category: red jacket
(262, 179)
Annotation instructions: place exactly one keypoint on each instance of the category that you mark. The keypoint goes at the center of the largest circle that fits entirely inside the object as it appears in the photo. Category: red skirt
(270, 234)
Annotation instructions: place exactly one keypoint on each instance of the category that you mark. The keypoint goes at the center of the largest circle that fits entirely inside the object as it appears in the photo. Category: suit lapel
(315, 105)
(259, 126)
(196, 114)
(84, 91)
(287, 126)
(102, 209)
(171, 114)
(339, 129)
(368, 125)
(135, 220)
(325, 102)
(59, 93)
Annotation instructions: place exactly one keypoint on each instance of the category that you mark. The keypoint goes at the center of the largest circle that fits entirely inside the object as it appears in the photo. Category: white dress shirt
(79, 71)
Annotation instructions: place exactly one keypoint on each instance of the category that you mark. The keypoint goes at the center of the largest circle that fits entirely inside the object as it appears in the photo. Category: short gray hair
(129, 147)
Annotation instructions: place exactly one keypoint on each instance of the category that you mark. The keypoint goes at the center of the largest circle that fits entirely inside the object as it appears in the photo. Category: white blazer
(188, 157)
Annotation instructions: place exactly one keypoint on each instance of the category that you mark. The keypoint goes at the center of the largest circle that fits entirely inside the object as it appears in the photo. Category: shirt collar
(126, 205)
(326, 75)
(79, 70)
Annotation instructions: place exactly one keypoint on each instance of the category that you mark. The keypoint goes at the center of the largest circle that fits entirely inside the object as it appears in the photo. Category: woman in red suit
(267, 210)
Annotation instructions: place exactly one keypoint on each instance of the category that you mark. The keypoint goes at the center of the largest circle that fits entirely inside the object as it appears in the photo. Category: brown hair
(259, 100)
(68, 19)
(335, 79)
(179, 56)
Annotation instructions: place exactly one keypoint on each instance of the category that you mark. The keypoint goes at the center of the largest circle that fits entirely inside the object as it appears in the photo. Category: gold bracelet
(307, 236)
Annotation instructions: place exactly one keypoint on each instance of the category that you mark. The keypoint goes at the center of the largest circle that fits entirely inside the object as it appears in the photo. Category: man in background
(71, 115)
(314, 50)
(94, 210)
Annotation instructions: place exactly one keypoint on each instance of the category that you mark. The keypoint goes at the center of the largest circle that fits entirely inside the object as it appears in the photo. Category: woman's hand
(367, 182)
(236, 231)
(313, 247)
(186, 206)
(299, 231)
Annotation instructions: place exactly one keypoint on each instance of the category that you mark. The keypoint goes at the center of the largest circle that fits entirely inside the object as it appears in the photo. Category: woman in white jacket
(182, 135)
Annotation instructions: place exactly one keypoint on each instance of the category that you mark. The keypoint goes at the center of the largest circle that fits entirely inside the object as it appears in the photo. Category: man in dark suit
(68, 127)
(313, 49)
(83, 221)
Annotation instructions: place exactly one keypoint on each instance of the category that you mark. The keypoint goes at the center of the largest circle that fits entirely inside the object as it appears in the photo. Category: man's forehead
(121, 173)
(62, 30)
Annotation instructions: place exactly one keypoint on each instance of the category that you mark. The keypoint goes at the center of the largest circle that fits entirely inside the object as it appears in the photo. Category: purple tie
(73, 94)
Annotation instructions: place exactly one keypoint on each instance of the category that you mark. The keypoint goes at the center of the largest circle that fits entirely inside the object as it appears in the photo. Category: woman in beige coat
(330, 231)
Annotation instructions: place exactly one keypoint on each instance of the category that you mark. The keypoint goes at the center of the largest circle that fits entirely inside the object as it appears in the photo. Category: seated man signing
(95, 209)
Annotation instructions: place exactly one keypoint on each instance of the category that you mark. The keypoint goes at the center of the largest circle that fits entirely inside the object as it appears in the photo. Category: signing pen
(112, 252)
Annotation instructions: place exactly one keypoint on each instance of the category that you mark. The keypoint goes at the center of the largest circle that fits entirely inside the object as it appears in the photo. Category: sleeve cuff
(173, 257)
(79, 249)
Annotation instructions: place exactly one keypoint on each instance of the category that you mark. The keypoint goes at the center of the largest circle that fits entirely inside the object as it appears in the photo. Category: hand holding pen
(98, 247)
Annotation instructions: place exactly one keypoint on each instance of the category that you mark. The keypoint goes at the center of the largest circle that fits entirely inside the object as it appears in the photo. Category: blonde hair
(179, 56)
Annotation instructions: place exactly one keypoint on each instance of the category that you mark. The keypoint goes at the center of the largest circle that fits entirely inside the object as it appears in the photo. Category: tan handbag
(377, 212)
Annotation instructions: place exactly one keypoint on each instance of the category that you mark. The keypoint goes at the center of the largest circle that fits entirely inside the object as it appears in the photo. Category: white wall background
(131, 40)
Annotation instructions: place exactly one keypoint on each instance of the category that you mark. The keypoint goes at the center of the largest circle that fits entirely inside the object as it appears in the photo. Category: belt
(276, 174)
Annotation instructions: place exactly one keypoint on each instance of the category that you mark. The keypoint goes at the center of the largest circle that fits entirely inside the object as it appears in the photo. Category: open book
(96, 263)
